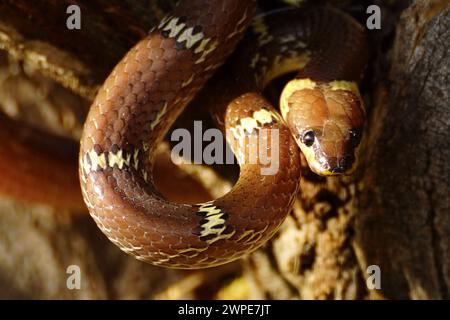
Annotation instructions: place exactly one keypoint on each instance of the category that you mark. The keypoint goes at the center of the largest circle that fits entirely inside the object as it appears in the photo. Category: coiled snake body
(153, 83)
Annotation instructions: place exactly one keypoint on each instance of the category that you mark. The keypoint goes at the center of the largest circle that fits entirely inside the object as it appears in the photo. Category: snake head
(327, 121)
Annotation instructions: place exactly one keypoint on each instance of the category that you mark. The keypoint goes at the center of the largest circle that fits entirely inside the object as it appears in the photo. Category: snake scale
(322, 116)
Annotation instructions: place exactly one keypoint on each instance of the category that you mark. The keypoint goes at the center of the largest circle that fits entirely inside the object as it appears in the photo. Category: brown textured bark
(36, 32)
(393, 213)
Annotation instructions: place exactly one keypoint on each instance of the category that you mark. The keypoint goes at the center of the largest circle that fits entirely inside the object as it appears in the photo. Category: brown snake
(157, 78)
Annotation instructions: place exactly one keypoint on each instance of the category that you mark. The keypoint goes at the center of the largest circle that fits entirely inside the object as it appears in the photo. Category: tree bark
(402, 219)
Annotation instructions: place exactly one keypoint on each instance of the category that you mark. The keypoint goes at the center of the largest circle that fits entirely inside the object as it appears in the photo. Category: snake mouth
(325, 165)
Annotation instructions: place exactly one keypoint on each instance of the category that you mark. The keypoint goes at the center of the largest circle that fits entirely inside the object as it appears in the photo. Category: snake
(322, 116)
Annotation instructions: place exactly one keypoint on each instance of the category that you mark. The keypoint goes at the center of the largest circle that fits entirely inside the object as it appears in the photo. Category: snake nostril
(346, 162)
(342, 164)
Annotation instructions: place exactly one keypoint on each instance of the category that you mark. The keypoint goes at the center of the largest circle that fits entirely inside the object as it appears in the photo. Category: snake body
(157, 78)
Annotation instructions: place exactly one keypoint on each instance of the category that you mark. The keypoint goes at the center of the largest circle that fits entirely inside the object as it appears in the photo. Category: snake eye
(308, 138)
(355, 137)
